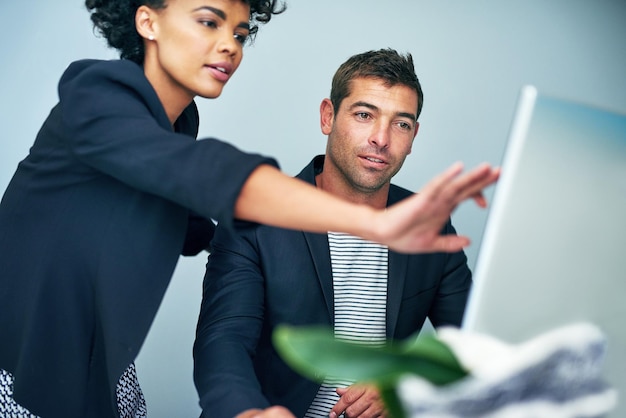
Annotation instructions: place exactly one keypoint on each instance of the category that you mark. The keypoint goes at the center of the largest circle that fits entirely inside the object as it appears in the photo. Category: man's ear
(327, 116)
(144, 22)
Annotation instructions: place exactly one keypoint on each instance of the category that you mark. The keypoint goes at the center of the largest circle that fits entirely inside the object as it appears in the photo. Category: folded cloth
(557, 374)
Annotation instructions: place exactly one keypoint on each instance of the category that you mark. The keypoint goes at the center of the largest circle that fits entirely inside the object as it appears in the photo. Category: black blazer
(91, 227)
(266, 276)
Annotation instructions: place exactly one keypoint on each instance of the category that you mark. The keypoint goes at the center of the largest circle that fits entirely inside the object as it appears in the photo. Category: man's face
(370, 135)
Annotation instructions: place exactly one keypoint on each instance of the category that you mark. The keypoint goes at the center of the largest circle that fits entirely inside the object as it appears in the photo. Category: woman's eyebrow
(220, 13)
(217, 11)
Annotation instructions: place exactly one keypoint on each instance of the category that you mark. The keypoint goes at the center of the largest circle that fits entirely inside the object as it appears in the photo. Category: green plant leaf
(392, 402)
(315, 353)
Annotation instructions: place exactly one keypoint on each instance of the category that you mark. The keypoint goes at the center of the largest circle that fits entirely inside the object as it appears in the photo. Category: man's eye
(404, 125)
(362, 115)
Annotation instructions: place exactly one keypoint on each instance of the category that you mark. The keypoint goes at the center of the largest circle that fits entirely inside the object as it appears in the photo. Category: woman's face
(193, 47)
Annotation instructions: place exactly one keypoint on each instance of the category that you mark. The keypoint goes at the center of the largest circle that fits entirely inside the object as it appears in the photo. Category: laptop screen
(554, 246)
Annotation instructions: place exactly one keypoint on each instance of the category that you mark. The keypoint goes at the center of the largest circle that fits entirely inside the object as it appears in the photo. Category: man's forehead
(377, 93)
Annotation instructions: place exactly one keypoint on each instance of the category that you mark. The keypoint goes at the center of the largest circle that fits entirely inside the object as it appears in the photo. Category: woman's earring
(151, 38)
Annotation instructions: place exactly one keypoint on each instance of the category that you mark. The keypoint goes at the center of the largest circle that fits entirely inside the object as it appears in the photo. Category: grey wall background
(472, 57)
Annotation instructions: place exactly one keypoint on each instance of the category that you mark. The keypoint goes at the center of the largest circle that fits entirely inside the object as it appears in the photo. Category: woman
(104, 201)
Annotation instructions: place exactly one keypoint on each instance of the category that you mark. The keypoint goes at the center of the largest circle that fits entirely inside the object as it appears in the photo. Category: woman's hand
(414, 224)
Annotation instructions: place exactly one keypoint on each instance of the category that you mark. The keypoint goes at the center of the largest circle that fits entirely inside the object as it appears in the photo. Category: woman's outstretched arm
(413, 225)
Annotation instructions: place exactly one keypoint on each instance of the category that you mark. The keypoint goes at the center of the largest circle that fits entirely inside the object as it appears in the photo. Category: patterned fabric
(130, 399)
(360, 298)
(8, 407)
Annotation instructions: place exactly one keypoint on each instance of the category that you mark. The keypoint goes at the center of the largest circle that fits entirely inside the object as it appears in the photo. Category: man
(264, 276)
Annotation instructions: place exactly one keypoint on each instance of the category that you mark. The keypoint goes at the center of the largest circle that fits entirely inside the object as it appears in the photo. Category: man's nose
(380, 136)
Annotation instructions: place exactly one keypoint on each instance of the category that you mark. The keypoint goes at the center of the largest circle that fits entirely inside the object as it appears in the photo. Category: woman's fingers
(452, 187)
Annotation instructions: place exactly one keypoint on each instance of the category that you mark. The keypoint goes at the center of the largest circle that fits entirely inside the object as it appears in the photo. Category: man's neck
(377, 199)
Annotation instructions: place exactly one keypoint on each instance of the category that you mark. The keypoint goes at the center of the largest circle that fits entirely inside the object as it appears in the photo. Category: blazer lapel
(320, 254)
(395, 284)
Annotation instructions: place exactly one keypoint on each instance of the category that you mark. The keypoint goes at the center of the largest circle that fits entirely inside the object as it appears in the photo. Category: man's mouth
(374, 160)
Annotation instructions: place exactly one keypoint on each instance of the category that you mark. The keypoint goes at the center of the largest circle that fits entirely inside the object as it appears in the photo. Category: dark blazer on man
(264, 276)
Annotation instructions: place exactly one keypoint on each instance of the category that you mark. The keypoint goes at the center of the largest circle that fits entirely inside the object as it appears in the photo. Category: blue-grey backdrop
(472, 57)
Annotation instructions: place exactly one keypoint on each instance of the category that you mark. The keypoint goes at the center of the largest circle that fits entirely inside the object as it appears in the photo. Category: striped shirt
(359, 270)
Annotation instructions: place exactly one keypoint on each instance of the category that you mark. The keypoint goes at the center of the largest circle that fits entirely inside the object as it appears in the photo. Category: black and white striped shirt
(360, 270)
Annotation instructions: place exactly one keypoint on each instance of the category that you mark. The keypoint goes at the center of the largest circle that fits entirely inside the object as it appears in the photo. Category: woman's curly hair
(115, 20)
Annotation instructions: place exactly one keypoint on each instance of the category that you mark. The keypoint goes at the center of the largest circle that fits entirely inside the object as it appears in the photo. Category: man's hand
(359, 400)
